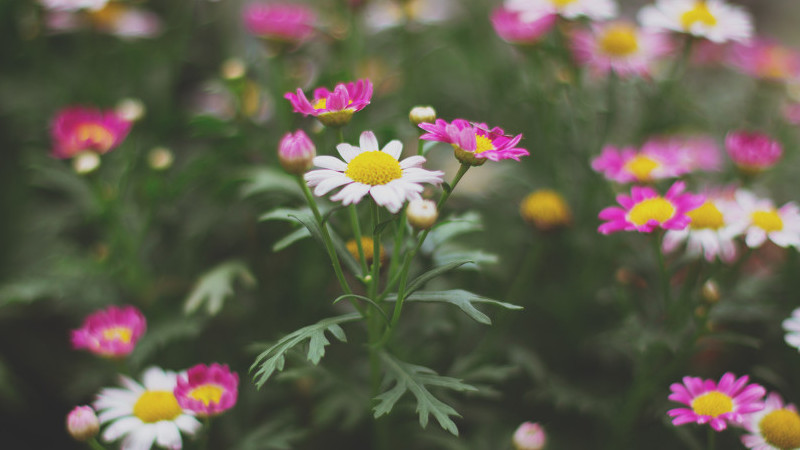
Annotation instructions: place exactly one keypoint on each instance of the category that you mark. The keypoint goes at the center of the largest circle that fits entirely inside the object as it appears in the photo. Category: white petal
(121, 427)
(188, 424)
(394, 148)
(755, 237)
(352, 193)
(329, 162)
(331, 183)
(347, 151)
(314, 177)
(387, 197)
(140, 439)
(368, 142)
(167, 435)
(115, 413)
(793, 339)
(156, 379)
(412, 161)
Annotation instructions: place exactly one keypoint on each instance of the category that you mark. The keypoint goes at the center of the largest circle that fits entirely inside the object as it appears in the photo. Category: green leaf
(216, 285)
(382, 226)
(427, 146)
(273, 358)
(291, 238)
(162, 334)
(450, 253)
(278, 434)
(455, 226)
(366, 299)
(433, 273)
(462, 299)
(269, 179)
(416, 379)
(204, 125)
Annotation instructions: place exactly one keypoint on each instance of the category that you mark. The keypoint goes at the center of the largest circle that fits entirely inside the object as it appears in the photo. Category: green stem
(663, 275)
(420, 145)
(682, 61)
(357, 234)
(373, 320)
(94, 444)
(399, 236)
(712, 435)
(339, 135)
(207, 433)
(326, 237)
(611, 107)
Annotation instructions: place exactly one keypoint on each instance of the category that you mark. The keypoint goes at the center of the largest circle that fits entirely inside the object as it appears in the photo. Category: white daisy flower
(715, 20)
(776, 427)
(145, 414)
(533, 10)
(792, 328)
(760, 220)
(711, 232)
(367, 169)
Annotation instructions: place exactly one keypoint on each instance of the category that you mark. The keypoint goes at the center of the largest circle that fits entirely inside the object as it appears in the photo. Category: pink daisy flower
(620, 47)
(474, 143)
(753, 152)
(287, 22)
(510, 27)
(776, 427)
(717, 404)
(645, 210)
(207, 390)
(656, 161)
(78, 129)
(765, 59)
(111, 332)
(333, 109)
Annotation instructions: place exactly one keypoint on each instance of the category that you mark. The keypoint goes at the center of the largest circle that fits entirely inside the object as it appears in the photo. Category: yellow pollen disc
(657, 209)
(109, 15)
(619, 40)
(207, 393)
(707, 216)
(768, 221)
(97, 134)
(122, 334)
(699, 13)
(781, 429)
(562, 3)
(366, 245)
(373, 168)
(546, 209)
(155, 406)
(482, 144)
(712, 404)
(641, 167)
(320, 104)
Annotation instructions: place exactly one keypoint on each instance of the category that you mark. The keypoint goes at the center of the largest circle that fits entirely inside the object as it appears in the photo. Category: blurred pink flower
(82, 423)
(474, 143)
(620, 47)
(655, 161)
(333, 108)
(645, 210)
(73, 5)
(529, 436)
(792, 113)
(753, 152)
(280, 21)
(691, 152)
(111, 332)
(508, 25)
(718, 404)
(765, 59)
(207, 390)
(296, 152)
(77, 128)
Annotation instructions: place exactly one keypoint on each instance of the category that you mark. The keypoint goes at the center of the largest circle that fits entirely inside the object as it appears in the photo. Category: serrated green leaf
(275, 435)
(433, 273)
(416, 379)
(291, 238)
(269, 179)
(273, 358)
(449, 253)
(462, 299)
(455, 226)
(216, 285)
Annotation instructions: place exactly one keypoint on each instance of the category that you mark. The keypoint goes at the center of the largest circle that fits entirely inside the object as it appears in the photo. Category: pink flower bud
(82, 423)
(296, 152)
(529, 436)
(753, 152)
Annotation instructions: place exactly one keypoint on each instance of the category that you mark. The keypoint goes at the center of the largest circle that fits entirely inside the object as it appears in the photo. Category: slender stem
(207, 433)
(326, 237)
(357, 234)
(376, 251)
(399, 236)
(94, 444)
(374, 322)
(712, 435)
(611, 107)
(339, 135)
(420, 145)
(663, 275)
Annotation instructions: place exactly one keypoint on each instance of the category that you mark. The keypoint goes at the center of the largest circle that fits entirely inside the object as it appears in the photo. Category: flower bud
(296, 152)
(369, 249)
(421, 213)
(82, 423)
(233, 69)
(529, 436)
(711, 291)
(160, 158)
(753, 152)
(422, 114)
(85, 162)
(546, 210)
(130, 109)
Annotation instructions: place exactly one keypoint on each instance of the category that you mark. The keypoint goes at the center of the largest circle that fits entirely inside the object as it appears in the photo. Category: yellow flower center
(97, 134)
(122, 334)
(562, 3)
(320, 104)
(373, 168)
(641, 167)
(707, 216)
(619, 40)
(712, 404)
(546, 209)
(482, 144)
(699, 13)
(781, 429)
(768, 221)
(367, 247)
(207, 393)
(155, 406)
(657, 209)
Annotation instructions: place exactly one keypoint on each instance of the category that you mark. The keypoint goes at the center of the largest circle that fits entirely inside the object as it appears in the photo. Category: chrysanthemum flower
(776, 427)
(690, 152)
(473, 143)
(715, 20)
(533, 10)
(82, 423)
(333, 109)
(766, 59)
(529, 436)
(111, 332)
(620, 47)
(653, 162)
(369, 170)
(207, 390)
(753, 152)
(511, 28)
(288, 22)
(717, 404)
(710, 233)
(645, 210)
(760, 221)
(792, 328)
(77, 129)
(546, 210)
(145, 414)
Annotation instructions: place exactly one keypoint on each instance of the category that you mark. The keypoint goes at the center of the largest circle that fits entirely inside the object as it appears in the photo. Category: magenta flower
(753, 152)
(474, 143)
(619, 47)
(529, 436)
(644, 210)
(508, 25)
(280, 21)
(656, 161)
(692, 152)
(333, 109)
(77, 129)
(111, 332)
(717, 404)
(765, 59)
(207, 390)
(296, 152)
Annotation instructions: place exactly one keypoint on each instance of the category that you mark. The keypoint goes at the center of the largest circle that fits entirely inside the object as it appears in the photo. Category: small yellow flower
(546, 210)
(366, 245)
